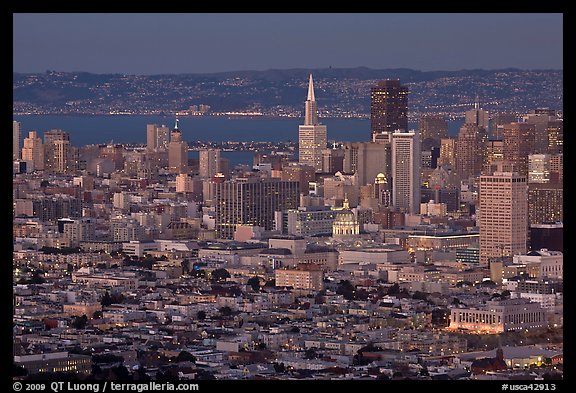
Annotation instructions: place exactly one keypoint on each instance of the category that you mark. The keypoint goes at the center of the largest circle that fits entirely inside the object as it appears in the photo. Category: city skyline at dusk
(319, 216)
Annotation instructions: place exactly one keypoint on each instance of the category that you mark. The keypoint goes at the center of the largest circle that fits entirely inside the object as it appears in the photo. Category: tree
(254, 282)
(201, 315)
(394, 289)
(225, 311)
(185, 356)
(220, 274)
(261, 346)
(79, 322)
(38, 277)
(346, 289)
(310, 353)
(420, 296)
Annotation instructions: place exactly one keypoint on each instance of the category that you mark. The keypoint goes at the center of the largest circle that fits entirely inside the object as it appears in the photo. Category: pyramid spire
(311, 117)
(310, 90)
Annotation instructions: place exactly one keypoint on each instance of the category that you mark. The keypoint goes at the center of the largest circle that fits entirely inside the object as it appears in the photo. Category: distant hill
(339, 91)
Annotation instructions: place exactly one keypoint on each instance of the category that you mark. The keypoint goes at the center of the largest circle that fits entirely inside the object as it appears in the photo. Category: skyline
(167, 43)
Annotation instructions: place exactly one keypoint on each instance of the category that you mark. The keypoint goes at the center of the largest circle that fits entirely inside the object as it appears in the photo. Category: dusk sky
(164, 43)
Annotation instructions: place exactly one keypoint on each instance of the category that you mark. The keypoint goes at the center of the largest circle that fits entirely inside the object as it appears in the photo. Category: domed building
(345, 222)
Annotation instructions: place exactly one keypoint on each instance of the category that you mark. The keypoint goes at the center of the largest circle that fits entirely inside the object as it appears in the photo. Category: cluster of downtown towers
(392, 174)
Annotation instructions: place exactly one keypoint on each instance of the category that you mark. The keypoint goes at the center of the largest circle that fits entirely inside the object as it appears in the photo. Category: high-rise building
(494, 150)
(432, 129)
(518, 144)
(497, 122)
(60, 156)
(555, 136)
(312, 136)
(388, 107)
(16, 139)
(303, 174)
(366, 160)
(177, 152)
(33, 151)
(470, 150)
(209, 162)
(157, 137)
(557, 168)
(479, 117)
(540, 119)
(503, 215)
(406, 171)
(332, 160)
(252, 201)
(538, 168)
(545, 203)
(447, 152)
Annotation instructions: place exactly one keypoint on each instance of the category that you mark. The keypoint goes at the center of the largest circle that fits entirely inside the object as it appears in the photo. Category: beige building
(80, 309)
(312, 137)
(503, 215)
(33, 151)
(499, 316)
(177, 152)
(209, 163)
(304, 276)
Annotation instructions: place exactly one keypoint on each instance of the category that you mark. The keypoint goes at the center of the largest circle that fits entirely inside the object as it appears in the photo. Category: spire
(311, 117)
(176, 125)
(310, 90)
(346, 204)
(477, 103)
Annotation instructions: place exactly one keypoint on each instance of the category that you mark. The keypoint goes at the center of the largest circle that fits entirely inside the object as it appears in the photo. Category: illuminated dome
(345, 222)
(381, 178)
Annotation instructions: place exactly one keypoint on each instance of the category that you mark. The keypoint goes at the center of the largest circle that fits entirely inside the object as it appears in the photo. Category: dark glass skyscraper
(389, 107)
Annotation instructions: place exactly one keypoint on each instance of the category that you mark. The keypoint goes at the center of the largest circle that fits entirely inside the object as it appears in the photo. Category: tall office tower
(33, 151)
(312, 136)
(557, 168)
(252, 201)
(503, 213)
(303, 174)
(555, 135)
(209, 162)
(177, 152)
(432, 129)
(16, 139)
(366, 160)
(388, 107)
(332, 160)
(540, 118)
(497, 122)
(406, 171)
(60, 156)
(494, 150)
(539, 168)
(157, 137)
(545, 203)
(479, 117)
(447, 152)
(518, 144)
(470, 150)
